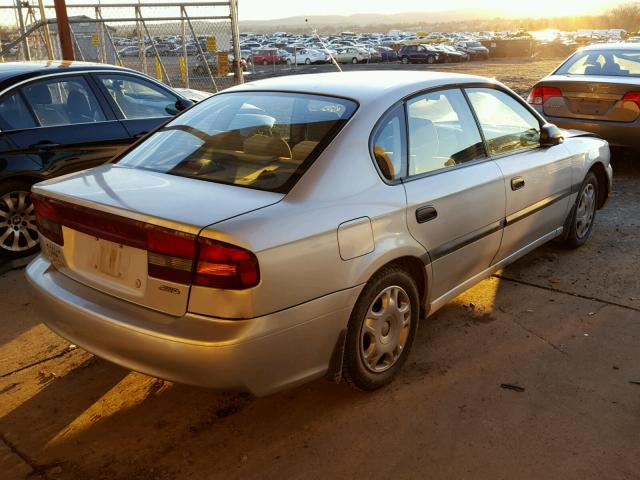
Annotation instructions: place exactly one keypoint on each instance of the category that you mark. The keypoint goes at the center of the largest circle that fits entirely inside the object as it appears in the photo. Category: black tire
(431, 60)
(354, 60)
(577, 233)
(405, 60)
(307, 61)
(10, 206)
(355, 370)
(265, 63)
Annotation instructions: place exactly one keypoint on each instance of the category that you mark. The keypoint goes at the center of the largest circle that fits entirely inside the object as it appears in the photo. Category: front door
(537, 179)
(142, 105)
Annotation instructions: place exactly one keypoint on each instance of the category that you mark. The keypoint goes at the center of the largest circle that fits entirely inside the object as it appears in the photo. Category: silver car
(299, 227)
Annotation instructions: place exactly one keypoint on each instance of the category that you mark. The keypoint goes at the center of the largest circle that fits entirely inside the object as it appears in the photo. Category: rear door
(141, 104)
(75, 130)
(537, 180)
(455, 193)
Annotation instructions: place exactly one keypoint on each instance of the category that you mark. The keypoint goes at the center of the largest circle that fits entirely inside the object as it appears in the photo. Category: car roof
(362, 86)
(13, 72)
(612, 46)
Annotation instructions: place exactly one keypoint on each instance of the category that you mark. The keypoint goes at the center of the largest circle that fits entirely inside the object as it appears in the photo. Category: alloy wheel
(385, 329)
(18, 231)
(585, 210)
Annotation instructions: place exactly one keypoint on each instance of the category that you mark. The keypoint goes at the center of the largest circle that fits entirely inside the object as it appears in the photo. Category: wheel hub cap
(585, 210)
(18, 231)
(385, 329)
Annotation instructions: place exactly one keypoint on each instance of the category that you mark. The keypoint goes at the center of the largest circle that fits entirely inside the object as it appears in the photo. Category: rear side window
(14, 113)
(387, 144)
(442, 132)
(507, 125)
(139, 98)
(261, 140)
(63, 101)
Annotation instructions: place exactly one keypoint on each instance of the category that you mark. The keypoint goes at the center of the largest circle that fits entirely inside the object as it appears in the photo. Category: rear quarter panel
(296, 240)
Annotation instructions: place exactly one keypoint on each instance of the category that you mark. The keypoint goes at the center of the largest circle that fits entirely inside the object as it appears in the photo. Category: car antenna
(324, 45)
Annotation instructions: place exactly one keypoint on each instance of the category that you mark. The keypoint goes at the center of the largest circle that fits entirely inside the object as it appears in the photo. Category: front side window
(613, 63)
(14, 113)
(139, 98)
(63, 101)
(388, 144)
(507, 125)
(261, 140)
(442, 132)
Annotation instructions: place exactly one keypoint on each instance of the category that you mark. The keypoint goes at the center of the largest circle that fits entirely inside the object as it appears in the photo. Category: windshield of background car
(261, 140)
(614, 63)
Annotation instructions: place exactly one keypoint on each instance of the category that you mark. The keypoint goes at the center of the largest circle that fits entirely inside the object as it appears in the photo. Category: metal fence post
(25, 41)
(235, 39)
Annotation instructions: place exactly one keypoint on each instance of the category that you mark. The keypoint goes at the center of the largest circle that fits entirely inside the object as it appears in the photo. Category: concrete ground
(562, 325)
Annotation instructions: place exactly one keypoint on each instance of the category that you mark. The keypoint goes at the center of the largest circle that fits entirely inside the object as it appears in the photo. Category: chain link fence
(187, 44)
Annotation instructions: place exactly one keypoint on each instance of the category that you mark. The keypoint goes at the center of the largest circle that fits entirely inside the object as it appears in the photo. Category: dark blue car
(61, 117)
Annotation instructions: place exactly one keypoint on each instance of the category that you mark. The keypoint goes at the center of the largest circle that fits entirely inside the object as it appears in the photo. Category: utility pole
(64, 31)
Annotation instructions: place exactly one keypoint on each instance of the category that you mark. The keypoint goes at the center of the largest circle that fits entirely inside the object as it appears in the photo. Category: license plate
(110, 259)
(53, 252)
(591, 108)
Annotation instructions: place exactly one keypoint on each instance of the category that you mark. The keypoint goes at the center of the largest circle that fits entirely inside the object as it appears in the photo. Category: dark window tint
(14, 113)
(262, 140)
(507, 125)
(388, 144)
(139, 98)
(63, 101)
(442, 132)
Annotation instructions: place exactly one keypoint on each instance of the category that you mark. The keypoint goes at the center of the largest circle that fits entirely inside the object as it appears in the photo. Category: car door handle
(426, 214)
(44, 145)
(517, 183)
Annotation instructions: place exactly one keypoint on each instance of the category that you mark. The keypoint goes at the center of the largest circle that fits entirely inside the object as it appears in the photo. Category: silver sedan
(299, 227)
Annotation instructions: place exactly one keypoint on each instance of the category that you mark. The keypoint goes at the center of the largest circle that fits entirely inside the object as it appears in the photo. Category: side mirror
(550, 135)
(183, 104)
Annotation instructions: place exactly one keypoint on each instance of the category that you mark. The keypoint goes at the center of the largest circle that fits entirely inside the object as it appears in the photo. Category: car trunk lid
(591, 97)
(132, 233)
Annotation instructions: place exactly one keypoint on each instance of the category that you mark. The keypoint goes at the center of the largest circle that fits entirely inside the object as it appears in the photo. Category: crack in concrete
(557, 290)
(38, 362)
(545, 340)
(36, 468)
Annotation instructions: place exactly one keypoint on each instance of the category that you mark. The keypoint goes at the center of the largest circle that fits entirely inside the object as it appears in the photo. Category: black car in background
(418, 54)
(61, 117)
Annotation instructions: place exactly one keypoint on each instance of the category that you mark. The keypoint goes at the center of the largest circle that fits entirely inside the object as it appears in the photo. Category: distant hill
(333, 22)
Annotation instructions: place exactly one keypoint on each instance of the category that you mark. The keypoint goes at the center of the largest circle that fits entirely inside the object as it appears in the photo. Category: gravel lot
(564, 325)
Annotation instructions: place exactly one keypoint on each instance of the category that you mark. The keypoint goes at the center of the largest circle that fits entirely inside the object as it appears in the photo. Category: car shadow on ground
(101, 421)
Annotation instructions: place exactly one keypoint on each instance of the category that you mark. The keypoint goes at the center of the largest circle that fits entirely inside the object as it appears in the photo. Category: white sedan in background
(307, 56)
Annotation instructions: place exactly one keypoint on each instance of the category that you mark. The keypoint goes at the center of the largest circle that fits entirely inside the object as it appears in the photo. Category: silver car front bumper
(261, 355)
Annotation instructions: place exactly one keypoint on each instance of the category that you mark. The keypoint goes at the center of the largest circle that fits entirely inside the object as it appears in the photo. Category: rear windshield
(261, 140)
(613, 63)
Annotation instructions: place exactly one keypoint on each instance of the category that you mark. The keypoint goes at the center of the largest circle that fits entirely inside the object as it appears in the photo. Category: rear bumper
(260, 355)
(616, 133)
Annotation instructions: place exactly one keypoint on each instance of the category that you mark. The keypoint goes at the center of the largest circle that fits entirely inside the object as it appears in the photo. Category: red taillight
(632, 97)
(171, 254)
(540, 94)
(221, 265)
(46, 220)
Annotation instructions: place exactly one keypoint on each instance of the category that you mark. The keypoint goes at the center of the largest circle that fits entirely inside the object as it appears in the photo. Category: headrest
(267, 146)
(302, 150)
(77, 101)
(38, 94)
